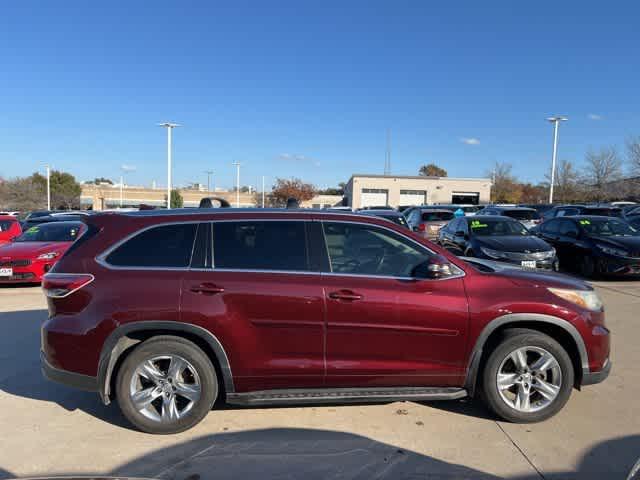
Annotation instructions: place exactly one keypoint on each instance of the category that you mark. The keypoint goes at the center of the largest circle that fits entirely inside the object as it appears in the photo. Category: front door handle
(345, 295)
(207, 289)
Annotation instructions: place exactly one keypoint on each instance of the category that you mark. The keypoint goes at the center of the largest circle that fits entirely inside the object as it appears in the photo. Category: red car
(29, 256)
(9, 228)
(167, 311)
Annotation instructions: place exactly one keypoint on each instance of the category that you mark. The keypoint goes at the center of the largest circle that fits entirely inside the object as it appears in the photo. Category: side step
(345, 395)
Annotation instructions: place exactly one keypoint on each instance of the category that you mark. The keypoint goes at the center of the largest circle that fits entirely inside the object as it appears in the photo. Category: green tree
(176, 199)
(432, 170)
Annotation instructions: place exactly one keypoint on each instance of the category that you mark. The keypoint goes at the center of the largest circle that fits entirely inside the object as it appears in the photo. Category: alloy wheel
(165, 388)
(529, 379)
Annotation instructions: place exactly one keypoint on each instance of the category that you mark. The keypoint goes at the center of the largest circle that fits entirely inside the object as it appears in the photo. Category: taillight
(422, 227)
(60, 285)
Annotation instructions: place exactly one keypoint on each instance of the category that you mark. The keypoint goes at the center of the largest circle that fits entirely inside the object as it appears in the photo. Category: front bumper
(71, 379)
(31, 273)
(591, 378)
(548, 264)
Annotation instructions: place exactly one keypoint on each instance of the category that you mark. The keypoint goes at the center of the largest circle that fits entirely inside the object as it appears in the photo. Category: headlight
(587, 299)
(492, 253)
(618, 252)
(48, 256)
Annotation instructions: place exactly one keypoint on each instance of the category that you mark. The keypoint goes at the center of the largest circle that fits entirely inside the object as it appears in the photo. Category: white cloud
(470, 141)
(594, 116)
(128, 168)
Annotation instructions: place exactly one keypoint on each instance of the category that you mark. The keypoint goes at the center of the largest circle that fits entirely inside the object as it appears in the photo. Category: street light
(556, 121)
(48, 186)
(209, 173)
(169, 127)
(237, 164)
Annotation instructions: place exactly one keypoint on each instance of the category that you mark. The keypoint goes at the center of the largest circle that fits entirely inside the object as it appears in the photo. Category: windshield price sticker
(585, 222)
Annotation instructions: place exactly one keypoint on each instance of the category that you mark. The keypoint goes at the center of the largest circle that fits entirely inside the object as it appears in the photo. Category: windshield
(51, 232)
(5, 225)
(436, 216)
(608, 228)
(497, 228)
(522, 214)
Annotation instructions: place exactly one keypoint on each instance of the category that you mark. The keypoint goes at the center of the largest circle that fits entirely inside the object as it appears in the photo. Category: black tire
(167, 345)
(588, 267)
(512, 340)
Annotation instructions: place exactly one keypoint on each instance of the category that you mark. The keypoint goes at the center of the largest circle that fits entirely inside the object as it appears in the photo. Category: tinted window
(164, 246)
(368, 250)
(436, 216)
(201, 257)
(260, 245)
(605, 212)
(567, 227)
(5, 225)
(51, 232)
(567, 211)
(551, 227)
(521, 214)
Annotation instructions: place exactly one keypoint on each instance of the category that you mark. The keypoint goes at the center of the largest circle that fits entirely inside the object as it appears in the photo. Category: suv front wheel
(166, 385)
(528, 377)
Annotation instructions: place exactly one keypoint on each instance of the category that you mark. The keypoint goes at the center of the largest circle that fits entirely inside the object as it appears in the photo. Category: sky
(308, 89)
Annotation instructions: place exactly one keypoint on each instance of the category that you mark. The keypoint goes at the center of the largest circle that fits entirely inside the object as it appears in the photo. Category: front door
(385, 328)
(261, 301)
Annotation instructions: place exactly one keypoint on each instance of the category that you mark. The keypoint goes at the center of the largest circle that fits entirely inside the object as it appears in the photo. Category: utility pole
(263, 191)
(387, 158)
(121, 184)
(169, 127)
(556, 121)
(237, 164)
(209, 173)
(48, 167)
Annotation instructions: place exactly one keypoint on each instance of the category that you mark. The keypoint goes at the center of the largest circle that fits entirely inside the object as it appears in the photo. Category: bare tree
(505, 188)
(633, 155)
(567, 186)
(602, 168)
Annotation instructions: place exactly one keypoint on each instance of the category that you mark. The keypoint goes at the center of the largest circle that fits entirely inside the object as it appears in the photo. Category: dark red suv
(170, 311)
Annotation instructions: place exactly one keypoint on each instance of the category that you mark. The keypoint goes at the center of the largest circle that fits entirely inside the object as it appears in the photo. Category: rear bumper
(71, 379)
(591, 378)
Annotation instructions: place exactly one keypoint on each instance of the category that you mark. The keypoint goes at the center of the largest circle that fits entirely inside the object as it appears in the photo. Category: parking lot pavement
(49, 429)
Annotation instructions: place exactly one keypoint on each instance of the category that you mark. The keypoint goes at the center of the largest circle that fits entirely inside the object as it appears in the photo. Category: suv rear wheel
(166, 385)
(528, 377)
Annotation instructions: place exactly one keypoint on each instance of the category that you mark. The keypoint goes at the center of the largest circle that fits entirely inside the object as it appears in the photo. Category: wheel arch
(557, 328)
(125, 337)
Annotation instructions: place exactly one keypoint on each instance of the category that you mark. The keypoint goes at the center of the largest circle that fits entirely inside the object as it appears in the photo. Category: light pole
(169, 127)
(209, 173)
(237, 164)
(263, 191)
(556, 121)
(48, 186)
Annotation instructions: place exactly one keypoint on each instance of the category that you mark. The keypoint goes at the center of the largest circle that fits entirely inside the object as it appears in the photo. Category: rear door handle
(207, 289)
(345, 295)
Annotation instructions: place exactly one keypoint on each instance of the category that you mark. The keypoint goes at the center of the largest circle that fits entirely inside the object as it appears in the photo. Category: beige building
(380, 190)
(323, 201)
(105, 196)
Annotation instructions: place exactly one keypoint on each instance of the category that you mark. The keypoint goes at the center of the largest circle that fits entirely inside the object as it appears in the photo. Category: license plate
(6, 272)
(528, 264)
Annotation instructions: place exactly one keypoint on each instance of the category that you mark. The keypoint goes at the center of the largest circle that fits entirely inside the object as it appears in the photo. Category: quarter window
(259, 245)
(368, 250)
(164, 246)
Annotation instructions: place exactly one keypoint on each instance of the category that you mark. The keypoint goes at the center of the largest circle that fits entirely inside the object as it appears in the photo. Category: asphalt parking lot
(49, 429)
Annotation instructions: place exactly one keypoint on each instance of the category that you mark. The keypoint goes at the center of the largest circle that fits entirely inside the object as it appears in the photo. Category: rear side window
(277, 245)
(605, 212)
(436, 216)
(522, 214)
(5, 225)
(165, 246)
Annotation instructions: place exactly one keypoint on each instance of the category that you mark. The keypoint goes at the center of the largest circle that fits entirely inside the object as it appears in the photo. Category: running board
(345, 395)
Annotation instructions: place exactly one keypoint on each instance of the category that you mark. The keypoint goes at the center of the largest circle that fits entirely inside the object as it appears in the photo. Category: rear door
(385, 328)
(261, 299)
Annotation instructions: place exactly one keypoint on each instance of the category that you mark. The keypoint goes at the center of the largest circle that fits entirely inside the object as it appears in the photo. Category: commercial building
(105, 196)
(380, 190)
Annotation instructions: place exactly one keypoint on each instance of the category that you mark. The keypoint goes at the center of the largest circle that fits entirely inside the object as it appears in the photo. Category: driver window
(567, 227)
(369, 250)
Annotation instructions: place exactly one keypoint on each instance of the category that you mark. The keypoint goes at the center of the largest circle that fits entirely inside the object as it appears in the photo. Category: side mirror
(433, 268)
